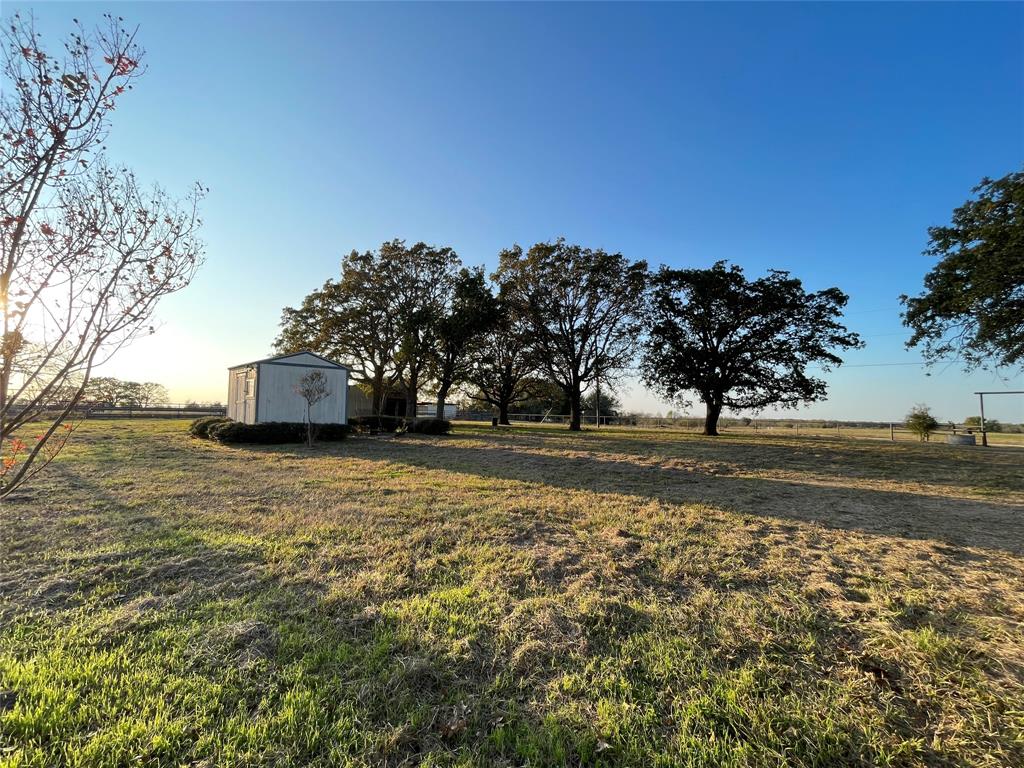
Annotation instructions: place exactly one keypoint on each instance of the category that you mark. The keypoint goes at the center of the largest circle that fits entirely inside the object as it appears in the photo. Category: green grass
(513, 597)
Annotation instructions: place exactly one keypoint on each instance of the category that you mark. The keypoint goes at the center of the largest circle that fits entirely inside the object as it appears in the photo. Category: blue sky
(819, 138)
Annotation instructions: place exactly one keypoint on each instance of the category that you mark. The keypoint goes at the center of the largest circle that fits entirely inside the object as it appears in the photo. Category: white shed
(264, 390)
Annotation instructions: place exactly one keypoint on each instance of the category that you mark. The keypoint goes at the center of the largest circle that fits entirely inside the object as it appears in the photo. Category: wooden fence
(169, 411)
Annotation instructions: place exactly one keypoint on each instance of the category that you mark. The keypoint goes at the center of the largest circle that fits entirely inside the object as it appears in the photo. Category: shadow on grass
(323, 676)
(250, 659)
(961, 522)
(992, 469)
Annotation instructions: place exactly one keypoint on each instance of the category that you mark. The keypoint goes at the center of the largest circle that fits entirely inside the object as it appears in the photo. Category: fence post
(984, 432)
(892, 433)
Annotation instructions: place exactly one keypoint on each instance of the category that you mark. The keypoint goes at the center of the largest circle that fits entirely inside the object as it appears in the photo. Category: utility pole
(597, 400)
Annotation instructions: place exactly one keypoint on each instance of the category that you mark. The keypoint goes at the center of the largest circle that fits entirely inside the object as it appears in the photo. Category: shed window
(250, 387)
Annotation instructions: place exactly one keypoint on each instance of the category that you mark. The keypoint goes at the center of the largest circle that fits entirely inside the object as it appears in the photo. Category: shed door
(250, 397)
(239, 409)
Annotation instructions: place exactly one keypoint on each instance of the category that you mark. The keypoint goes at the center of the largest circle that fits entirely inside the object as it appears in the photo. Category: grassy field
(515, 597)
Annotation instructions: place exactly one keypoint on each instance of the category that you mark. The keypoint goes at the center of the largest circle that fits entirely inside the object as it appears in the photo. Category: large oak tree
(424, 280)
(741, 344)
(353, 320)
(503, 364)
(470, 314)
(583, 308)
(381, 318)
(973, 303)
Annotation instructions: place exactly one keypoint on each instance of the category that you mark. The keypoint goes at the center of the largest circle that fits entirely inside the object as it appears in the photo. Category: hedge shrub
(373, 424)
(201, 427)
(431, 427)
(329, 433)
(276, 432)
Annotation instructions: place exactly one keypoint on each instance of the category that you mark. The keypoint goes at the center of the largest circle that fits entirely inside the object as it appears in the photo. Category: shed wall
(359, 403)
(278, 400)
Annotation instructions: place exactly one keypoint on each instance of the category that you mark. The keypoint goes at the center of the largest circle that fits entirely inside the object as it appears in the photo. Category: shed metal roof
(281, 358)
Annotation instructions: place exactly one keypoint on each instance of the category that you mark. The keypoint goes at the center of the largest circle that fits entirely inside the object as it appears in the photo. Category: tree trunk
(575, 409)
(377, 395)
(442, 395)
(410, 395)
(714, 410)
(503, 413)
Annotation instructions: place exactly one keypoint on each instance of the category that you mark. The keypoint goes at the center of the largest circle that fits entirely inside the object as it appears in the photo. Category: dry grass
(514, 597)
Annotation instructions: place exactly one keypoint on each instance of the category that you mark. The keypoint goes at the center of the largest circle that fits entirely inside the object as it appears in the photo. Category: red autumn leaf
(123, 65)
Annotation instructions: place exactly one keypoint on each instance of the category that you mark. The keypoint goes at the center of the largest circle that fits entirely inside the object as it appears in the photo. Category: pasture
(514, 597)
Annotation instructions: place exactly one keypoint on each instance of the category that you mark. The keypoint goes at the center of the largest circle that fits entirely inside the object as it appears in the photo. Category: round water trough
(961, 439)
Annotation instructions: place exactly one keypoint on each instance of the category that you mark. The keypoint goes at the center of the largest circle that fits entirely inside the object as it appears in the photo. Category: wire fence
(163, 411)
(893, 432)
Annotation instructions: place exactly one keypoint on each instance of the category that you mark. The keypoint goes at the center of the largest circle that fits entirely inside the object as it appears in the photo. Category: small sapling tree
(86, 251)
(921, 422)
(312, 388)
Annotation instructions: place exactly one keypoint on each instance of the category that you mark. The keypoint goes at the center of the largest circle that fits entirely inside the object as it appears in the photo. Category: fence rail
(550, 418)
(172, 411)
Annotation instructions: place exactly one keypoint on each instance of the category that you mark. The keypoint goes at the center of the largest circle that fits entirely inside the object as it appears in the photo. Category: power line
(879, 365)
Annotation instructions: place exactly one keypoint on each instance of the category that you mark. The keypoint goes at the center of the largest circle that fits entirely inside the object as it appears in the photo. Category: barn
(264, 390)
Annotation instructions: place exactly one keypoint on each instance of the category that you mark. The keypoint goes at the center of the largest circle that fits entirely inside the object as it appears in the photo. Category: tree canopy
(86, 251)
(741, 344)
(583, 309)
(502, 364)
(424, 280)
(972, 306)
(471, 312)
(349, 320)
(571, 318)
(108, 390)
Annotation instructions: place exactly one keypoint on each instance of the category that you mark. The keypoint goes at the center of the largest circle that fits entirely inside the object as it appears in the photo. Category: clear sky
(819, 138)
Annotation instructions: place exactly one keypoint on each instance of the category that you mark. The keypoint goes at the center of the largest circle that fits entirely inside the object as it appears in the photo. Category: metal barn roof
(281, 360)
